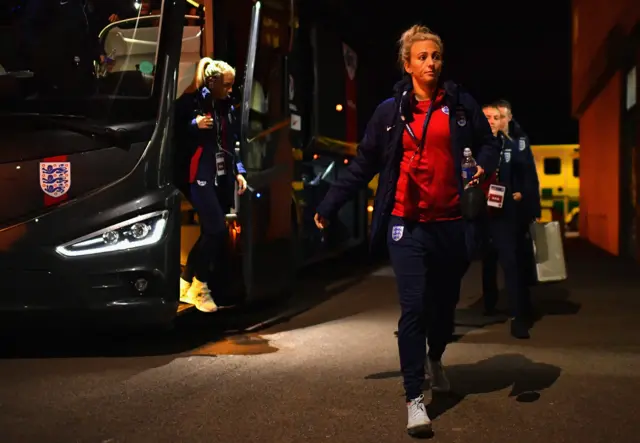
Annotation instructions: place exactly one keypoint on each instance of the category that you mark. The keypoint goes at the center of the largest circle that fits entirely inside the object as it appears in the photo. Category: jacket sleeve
(192, 123)
(487, 146)
(193, 126)
(531, 183)
(184, 113)
(239, 167)
(359, 173)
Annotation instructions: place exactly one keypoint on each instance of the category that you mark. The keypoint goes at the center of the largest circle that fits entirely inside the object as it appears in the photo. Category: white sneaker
(419, 422)
(199, 295)
(439, 380)
(184, 287)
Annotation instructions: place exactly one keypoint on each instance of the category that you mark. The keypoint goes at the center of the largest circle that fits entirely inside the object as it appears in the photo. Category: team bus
(92, 222)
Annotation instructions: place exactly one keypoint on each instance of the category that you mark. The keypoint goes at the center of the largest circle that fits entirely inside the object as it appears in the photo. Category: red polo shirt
(427, 188)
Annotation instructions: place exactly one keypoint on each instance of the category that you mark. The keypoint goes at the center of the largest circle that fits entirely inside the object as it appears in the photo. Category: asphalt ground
(324, 367)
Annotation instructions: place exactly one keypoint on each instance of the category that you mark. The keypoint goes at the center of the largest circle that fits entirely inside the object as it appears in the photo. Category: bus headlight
(137, 232)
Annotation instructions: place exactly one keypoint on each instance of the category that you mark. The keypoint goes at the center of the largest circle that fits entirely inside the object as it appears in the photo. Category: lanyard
(217, 120)
(420, 143)
(500, 160)
(218, 126)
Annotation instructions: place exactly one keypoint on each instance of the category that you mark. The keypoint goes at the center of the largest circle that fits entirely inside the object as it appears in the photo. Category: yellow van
(559, 174)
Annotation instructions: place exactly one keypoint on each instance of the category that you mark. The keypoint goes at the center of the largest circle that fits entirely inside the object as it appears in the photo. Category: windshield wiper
(75, 123)
(16, 74)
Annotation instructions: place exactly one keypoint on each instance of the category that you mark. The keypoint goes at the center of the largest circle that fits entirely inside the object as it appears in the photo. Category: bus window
(266, 105)
(552, 166)
(72, 49)
(576, 167)
(192, 41)
(129, 48)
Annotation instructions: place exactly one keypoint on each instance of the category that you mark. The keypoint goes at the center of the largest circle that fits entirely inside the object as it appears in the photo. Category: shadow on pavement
(318, 305)
(191, 331)
(525, 377)
(547, 300)
(553, 300)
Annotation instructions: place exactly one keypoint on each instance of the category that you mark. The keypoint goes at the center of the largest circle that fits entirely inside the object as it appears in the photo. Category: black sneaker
(490, 312)
(520, 328)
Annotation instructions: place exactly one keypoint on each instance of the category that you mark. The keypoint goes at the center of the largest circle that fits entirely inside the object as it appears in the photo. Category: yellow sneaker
(184, 288)
(199, 295)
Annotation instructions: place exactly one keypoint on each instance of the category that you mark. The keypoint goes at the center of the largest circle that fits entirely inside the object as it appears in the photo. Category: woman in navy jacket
(504, 229)
(207, 170)
(415, 140)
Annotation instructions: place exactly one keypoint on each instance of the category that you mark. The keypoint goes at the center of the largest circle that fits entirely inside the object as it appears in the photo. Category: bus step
(184, 307)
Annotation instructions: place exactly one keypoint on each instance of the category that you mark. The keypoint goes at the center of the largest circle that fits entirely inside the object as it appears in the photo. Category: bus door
(265, 210)
(332, 133)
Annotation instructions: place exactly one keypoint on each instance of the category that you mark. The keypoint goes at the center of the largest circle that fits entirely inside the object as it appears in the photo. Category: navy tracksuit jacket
(429, 259)
(380, 151)
(210, 193)
(505, 229)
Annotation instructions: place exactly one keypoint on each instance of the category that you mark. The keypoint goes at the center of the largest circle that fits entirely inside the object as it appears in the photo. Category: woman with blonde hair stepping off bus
(211, 168)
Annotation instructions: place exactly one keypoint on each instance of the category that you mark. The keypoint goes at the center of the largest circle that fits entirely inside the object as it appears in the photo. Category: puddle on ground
(245, 344)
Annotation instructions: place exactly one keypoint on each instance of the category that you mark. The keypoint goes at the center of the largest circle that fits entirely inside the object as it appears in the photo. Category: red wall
(599, 168)
(592, 22)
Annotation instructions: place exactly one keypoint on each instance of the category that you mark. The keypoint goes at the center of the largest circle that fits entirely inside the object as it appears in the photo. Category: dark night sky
(515, 50)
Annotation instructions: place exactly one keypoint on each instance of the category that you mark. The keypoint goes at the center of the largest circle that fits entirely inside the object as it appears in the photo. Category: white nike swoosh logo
(62, 3)
(389, 128)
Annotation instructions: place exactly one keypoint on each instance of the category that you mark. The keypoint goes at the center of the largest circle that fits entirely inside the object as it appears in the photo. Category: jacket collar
(221, 105)
(515, 129)
(402, 94)
(504, 136)
(405, 86)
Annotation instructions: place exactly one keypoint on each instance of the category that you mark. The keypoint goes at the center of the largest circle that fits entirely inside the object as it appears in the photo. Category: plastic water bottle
(469, 166)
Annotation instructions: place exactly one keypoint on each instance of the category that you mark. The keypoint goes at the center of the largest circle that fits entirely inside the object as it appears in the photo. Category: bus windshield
(76, 53)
